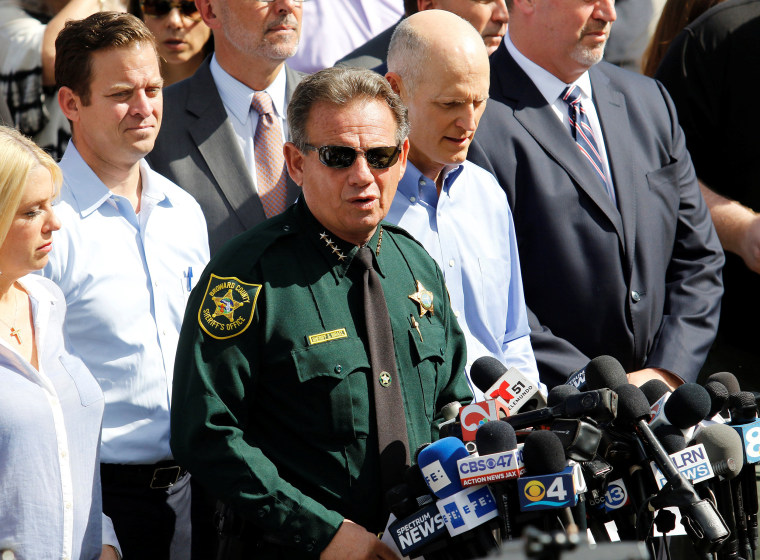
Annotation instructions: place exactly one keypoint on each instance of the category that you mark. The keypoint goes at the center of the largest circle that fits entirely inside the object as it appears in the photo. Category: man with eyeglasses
(453, 207)
(224, 127)
(322, 346)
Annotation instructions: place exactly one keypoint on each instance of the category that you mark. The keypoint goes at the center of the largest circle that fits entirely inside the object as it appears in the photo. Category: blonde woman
(50, 405)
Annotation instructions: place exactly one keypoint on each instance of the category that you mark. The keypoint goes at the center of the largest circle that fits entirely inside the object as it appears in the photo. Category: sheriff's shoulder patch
(227, 308)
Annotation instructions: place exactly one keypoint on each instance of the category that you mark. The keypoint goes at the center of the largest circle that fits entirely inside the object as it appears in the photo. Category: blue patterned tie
(583, 135)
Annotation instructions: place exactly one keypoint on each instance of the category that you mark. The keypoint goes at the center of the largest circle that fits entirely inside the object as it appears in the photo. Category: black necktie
(393, 441)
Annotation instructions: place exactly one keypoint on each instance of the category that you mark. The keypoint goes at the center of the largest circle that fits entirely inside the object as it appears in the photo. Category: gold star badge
(385, 379)
(423, 298)
(226, 306)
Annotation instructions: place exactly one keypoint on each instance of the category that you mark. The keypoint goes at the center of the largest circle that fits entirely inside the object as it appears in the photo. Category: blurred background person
(28, 29)
(51, 408)
(184, 40)
(676, 14)
(335, 27)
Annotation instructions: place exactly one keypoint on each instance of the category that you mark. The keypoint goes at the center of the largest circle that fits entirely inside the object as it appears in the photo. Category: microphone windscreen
(559, 393)
(420, 448)
(728, 379)
(495, 437)
(670, 437)
(688, 405)
(450, 410)
(485, 371)
(718, 397)
(632, 405)
(654, 389)
(543, 453)
(724, 447)
(743, 406)
(415, 481)
(604, 372)
(438, 462)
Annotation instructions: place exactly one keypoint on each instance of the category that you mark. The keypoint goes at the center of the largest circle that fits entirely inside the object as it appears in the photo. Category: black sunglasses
(159, 8)
(341, 157)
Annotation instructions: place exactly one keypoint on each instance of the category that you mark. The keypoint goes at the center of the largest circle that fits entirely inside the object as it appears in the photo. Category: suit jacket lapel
(217, 143)
(613, 116)
(292, 77)
(531, 110)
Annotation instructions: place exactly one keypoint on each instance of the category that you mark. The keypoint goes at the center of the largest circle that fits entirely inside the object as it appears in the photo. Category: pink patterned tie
(270, 163)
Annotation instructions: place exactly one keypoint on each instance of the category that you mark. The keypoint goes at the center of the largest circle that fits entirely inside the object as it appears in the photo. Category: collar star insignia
(423, 298)
(332, 246)
(226, 306)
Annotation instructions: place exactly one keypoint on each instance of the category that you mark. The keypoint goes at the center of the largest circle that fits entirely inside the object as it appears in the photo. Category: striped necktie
(271, 176)
(583, 135)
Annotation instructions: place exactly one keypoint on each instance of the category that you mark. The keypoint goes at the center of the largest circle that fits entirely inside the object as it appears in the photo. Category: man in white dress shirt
(131, 246)
(453, 207)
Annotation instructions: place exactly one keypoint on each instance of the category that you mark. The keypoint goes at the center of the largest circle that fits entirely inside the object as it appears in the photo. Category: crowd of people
(236, 295)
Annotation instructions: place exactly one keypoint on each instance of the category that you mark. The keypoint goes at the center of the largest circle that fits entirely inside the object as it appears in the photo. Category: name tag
(327, 336)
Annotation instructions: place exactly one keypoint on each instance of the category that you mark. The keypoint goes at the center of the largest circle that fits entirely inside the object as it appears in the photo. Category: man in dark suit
(618, 252)
(208, 144)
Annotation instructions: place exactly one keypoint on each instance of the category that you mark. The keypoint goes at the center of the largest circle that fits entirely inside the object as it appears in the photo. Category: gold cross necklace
(15, 333)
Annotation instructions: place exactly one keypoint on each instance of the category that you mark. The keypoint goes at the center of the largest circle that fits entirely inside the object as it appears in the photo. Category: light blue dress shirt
(50, 506)
(469, 232)
(126, 278)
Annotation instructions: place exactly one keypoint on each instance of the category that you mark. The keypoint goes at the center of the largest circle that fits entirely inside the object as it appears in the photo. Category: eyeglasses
(159, 8)
(341, 157)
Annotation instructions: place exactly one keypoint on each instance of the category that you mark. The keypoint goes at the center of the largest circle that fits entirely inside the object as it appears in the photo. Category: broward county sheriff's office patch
(227, 307)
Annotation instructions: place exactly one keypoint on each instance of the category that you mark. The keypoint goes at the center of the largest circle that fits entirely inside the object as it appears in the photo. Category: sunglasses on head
(341, 157)
(159, 8)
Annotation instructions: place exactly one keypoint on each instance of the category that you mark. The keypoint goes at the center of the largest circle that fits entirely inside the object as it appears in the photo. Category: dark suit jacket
(642, 284)
(197, 149)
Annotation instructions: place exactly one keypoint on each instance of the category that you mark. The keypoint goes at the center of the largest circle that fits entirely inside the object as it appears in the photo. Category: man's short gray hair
(408, 53)
(339, 86)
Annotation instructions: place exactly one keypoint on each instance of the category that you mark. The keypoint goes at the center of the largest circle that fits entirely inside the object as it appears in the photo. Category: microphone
(599, 405)
(654, 390)
(718, 398)
(510, 387)
(495, 440)
(725, 450)
(684, 408)
(605, 372)
(464, 510)
(560, 393)
(551, 484)
(702, 522)
(730, 382)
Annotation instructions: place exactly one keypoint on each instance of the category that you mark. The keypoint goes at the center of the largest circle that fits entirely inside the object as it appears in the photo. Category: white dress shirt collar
(550, 86)
(237, 97)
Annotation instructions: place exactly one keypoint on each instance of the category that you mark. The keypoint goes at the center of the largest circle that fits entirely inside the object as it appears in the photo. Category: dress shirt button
(297, 538)
(338, 368)
(412, 199)
(67, 505)
(286, 227)
(635, 296)
(451, 262)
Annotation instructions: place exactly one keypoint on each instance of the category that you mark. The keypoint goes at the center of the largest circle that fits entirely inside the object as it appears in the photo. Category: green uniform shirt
(271, 407)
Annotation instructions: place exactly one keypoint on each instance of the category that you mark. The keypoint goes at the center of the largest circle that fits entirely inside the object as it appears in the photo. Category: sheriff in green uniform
(272, 403)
